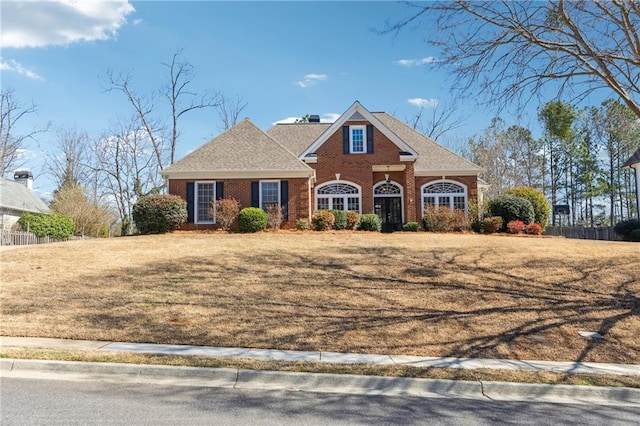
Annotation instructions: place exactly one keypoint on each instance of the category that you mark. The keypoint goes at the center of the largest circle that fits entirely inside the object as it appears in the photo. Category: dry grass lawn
(402, 293)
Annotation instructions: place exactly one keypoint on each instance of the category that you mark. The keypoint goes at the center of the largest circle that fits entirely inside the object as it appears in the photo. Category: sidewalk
(233, 378)
(328, 357)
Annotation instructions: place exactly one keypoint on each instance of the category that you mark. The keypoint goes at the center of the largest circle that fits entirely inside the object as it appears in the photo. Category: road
(51, 402)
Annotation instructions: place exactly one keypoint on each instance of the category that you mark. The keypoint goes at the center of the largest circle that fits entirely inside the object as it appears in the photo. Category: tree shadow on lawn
(378, 300)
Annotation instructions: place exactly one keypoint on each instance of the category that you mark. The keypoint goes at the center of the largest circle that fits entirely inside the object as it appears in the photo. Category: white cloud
(60, 23)
(287, 120)
(329, 117)
(423, 103)
(13, 66)
(416, 62)
(311, 80)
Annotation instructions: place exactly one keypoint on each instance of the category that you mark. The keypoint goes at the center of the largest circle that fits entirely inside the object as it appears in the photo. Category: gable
(242, 151)
(357, 112)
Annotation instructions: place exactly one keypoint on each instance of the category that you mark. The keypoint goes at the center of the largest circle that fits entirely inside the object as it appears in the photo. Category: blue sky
(285, 59)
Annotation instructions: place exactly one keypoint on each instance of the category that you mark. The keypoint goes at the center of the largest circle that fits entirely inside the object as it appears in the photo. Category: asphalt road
(52, 402)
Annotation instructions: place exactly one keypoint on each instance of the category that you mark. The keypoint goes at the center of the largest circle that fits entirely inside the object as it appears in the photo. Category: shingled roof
(433, 158)
(16, 196)
(297, 137)
(635, 158)
(244, 150)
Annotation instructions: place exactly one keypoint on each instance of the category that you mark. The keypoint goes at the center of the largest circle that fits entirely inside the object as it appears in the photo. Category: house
(369, 162)
(634, 163)
(17, 197)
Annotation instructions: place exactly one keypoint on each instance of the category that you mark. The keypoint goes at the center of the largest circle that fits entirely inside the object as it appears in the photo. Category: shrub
(274, 216)
(411, 227)
(159, 213)
(322, 220)
(626, 227)
(491, 225)
(226, 211)
(340, 222)
(303, 225)
(635, 236)
(370, 222)
(352, 219)
(252, 219)
(56, 226)
(444, 219)
(541, 207)
(516, 227)
(511, 207)
(533, 229)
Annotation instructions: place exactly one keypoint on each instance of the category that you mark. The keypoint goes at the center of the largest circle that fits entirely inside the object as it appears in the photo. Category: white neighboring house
(17, 198)
(634, 163)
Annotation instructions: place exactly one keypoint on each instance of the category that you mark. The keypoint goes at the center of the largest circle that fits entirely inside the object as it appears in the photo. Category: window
(269, 193)
(445, 194)
(205, 193)
(338, 196)
(357, 139)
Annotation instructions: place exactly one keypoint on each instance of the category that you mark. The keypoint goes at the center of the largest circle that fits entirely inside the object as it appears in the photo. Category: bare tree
(68, 163)
(439, 120)
(229, 110)
(180, 77)
(12, 142)
(506, 51)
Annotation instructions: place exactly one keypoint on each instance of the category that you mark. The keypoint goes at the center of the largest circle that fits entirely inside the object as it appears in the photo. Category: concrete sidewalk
(328, 357)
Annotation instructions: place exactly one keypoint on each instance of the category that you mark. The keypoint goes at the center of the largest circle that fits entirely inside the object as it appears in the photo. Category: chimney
(24, 177)
(314, 118)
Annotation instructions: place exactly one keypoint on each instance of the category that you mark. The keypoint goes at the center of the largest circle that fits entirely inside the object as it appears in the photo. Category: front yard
(402, 293)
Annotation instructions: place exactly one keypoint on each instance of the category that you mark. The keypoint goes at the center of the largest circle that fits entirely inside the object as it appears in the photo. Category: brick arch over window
(445, 193)
(339, 195)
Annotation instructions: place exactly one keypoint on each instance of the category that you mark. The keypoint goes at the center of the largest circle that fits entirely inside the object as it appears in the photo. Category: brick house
(369, 162)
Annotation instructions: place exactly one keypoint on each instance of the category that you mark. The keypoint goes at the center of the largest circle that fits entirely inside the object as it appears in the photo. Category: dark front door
(389, 209)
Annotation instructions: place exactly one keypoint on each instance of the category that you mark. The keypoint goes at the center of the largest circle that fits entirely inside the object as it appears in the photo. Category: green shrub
(635, 236)
(370, 222)
(352, 219)
(491, 225)
(626, 227)
(340, 222)
(511, 207)
(541, 207)
(56, 226)
(252, 219)
(411, 227)
(159, 213)
(322, 220)
(444, 219)
(303, 225)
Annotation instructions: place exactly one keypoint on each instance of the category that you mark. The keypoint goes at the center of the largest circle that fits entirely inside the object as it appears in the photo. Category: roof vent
(314, 119)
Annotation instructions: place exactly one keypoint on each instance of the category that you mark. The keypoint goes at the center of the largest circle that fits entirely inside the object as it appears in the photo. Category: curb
(316, 382)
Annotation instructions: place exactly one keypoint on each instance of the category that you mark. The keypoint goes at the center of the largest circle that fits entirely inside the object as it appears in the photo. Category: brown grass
(319, 367)
(403, 293)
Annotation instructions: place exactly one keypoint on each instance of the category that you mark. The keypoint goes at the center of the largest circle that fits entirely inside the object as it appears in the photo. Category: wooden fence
(579, 232)
(21, 238)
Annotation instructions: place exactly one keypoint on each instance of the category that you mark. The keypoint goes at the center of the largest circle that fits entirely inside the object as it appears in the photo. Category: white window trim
(364, 139)
(401, 195)
(260, 190)
(451, 194)
(197, 202)
(345, 196)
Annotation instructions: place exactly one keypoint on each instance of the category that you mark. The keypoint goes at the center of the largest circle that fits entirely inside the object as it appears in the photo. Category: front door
(389, 209)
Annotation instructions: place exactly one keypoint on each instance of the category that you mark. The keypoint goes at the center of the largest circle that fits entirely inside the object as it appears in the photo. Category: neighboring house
(634, 163)
(17, 197)
(365, 162)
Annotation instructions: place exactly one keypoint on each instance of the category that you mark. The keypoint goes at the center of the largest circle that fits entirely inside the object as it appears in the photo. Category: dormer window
(357, 139)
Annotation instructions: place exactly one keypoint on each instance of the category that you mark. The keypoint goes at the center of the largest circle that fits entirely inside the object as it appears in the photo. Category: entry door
(389, 209)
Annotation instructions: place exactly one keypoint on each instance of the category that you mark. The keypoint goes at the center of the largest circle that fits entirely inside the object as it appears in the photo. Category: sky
(284, 59)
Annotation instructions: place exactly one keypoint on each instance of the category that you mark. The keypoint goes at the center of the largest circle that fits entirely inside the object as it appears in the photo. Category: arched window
(338, 195)
(387, 189)
(445, 194)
